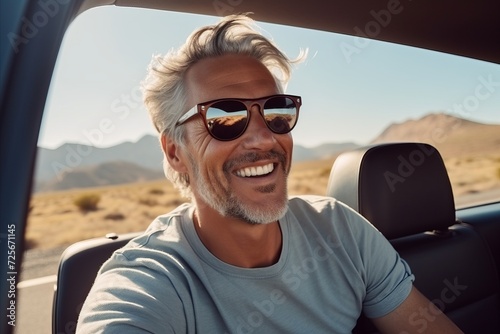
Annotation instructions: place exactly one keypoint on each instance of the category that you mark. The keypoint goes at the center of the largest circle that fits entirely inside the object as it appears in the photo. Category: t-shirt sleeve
(127, 297)
(387, 276)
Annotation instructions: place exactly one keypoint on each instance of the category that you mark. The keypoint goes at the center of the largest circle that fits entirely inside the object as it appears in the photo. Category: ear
(173, 154)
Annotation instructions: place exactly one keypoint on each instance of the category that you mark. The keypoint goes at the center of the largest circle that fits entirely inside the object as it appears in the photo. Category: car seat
(77, 271)
(403, 189)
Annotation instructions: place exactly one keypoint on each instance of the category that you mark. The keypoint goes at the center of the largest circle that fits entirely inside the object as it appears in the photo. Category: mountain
(301, 153)
(108, 173)
(452, 136)
(53, 163)
(81, 166)
(78, 166)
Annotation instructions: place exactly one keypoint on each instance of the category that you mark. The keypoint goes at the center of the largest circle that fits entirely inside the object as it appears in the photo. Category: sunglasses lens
(226, 120)
(280, 114)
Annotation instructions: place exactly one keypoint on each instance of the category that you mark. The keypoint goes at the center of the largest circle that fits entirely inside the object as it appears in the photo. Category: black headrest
(401, 188)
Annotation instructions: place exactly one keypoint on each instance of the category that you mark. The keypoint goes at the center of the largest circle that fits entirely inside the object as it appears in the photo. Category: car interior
(453, 252)
(453, 265)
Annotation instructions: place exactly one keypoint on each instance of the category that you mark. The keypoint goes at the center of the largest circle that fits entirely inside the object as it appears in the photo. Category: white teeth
(255, 171)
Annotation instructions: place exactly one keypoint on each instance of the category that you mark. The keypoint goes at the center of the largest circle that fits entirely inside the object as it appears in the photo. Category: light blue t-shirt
(333, 266)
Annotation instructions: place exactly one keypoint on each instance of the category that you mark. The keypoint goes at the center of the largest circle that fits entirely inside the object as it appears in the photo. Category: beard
(220, 197)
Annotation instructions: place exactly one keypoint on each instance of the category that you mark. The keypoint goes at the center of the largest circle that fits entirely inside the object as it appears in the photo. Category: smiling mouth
(255, 171)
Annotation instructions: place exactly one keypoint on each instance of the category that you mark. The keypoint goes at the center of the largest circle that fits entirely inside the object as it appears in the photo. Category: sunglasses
(227, 119)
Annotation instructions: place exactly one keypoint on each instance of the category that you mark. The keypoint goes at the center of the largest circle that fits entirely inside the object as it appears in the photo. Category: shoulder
(323, 206)
(318, 203)
(330, 216)
(169, 220)
(313, 203)
(167, 226)
(165, 235)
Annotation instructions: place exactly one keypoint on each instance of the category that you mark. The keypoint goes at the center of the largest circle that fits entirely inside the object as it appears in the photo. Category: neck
(239, 243)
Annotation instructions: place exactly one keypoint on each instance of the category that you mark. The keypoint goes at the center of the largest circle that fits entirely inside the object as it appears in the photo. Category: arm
(416, 315)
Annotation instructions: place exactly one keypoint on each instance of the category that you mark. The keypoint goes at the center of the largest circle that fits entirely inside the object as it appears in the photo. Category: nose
(257, 134)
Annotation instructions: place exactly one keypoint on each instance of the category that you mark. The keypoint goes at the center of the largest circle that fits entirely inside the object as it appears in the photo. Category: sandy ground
(54, 219)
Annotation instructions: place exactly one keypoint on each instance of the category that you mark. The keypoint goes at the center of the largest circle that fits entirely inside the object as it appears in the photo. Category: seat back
(403, 189)
(77, 271)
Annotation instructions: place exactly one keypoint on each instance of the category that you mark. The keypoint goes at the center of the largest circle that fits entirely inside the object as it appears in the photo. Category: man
(242, 257)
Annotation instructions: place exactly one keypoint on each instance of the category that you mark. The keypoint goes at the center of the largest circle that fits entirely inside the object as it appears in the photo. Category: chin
(260, 213)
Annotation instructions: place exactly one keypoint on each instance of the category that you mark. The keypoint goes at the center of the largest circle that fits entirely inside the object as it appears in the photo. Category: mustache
(252, 157)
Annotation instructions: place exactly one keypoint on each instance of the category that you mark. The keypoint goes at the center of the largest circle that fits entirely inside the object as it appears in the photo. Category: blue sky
(352, 88)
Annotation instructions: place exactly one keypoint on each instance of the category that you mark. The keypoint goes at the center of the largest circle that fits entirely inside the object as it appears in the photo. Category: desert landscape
(55, 220)
(471, 152)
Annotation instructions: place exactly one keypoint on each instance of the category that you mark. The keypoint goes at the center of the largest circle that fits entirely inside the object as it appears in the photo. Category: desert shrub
(148, 201)
(115, 216)
(87, 202)
(156, 191)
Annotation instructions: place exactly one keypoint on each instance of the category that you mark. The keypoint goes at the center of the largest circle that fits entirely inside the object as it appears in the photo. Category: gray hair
(163, 89)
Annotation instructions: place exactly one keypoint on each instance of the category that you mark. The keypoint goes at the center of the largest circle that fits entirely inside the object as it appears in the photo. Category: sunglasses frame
(201, 109)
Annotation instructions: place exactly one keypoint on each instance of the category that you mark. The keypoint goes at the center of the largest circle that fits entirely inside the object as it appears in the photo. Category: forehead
(228, 76)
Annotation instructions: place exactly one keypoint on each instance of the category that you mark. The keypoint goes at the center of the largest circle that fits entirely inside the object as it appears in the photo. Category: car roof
(465, 28)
